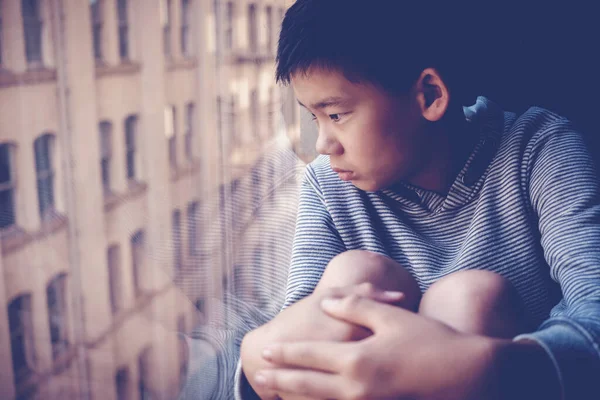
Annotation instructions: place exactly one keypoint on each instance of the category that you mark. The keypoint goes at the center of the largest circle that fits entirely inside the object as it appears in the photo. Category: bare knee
(475, 301)
(358, 266)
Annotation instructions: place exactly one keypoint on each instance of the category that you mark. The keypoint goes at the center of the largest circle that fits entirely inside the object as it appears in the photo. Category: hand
(305, 321)
(408, 356)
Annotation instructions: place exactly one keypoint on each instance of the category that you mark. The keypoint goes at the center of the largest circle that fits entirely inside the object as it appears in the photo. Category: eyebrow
(326, 102)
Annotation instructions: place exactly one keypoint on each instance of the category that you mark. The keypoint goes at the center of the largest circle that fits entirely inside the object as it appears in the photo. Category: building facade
(125, 126)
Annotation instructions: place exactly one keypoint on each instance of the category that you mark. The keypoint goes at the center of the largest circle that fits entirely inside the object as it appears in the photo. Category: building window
(271, 113)
(130, 146)
(56, 294)
(44, 149)
(254, 113)
(269, 15)
(229, 14)
(123, 22)
(181, 328)
(177, 253)
(114, 278)
(32, 27)
(7, 185)
(253, 28)
(96, 14)
(137, 260)
(255, 187)
(171, 134)
(192, 215)
(105, 128)
(231, 121)
(186, 17)
(166, 25)
(144, 364)
(21, 337)
(122, 383)
(190, 114)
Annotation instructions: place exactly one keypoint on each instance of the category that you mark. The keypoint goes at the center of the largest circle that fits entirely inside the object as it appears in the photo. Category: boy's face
(373, 139)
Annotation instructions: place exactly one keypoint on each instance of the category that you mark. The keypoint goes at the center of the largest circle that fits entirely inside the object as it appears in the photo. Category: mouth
(344, 174)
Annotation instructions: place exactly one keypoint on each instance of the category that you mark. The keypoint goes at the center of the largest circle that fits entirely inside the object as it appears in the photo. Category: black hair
(383, 42)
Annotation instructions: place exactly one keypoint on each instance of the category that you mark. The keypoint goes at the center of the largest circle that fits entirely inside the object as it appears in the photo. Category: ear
(432, 95)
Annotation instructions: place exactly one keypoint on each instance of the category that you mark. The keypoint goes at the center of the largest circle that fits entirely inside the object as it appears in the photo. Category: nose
(327, 144)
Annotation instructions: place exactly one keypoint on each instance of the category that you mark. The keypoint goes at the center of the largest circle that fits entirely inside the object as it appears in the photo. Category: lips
(344, 174)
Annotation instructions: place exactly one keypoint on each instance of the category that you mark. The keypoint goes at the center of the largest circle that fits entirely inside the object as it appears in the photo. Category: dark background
(541, 54)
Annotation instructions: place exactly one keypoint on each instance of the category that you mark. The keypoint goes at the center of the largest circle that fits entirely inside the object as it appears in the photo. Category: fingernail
(392, 295)
(330, 303)
(260, 379)
(267, 354)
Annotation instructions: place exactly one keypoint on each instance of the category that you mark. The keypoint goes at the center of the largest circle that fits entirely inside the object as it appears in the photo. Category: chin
(366, 186)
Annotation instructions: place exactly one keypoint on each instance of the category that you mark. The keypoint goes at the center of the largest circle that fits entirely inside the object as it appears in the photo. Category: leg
(358, 266)
(475, 301)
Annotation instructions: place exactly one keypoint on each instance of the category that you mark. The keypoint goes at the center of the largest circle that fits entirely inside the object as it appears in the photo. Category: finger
(322, 356)
(305, 383)
(363, 311)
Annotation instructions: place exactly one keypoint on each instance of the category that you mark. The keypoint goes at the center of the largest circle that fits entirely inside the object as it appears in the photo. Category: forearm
(251, 357)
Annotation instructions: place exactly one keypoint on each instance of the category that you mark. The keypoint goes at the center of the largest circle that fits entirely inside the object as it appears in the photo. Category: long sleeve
(565, 196)
(316, 242)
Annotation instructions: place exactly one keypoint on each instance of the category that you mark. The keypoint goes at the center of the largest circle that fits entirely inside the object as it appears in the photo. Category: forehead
(321, 83)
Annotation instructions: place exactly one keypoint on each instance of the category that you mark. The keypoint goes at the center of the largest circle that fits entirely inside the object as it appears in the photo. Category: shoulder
(537, 125)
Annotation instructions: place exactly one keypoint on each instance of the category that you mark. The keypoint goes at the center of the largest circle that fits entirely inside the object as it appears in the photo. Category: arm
(565, 195)
(316, 242)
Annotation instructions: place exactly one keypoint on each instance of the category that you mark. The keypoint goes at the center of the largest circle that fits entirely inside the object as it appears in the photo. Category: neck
(450, 147)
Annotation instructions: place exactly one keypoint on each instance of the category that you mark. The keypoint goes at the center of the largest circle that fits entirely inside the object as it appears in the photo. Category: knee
(354, 267)
(475, 301)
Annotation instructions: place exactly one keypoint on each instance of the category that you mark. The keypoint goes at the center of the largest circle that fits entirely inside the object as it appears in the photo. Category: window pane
(114, 278)
(122, 383)
(21, 335)
(57, 315)
(177, 253)
(137, 254)
(46, 194)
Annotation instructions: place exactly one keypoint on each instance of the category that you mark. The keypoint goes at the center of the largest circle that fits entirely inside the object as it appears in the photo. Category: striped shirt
(526, 205)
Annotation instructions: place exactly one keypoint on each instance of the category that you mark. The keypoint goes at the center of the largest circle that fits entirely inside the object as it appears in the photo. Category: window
(231, 121)
(7, 185)
(21, 337)
(44, 149)
(186, 17)
(122, 383)
(254, 113)
(96, 14)
(171, 134)
(114, 278)
(56, 293)
(190, 114)
(123, 23)
(255, 187)
(229, 13)
(253, 28)
(32, 27)
(181, 328)
(271, 113)
(105, 128)
(192, 214)
(130, 146)
(137, 260)
(144, 364)
(177, 253)
(269, 15)
(166, 24)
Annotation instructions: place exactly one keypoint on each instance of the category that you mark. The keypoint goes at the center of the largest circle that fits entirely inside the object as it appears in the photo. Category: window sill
(14, 237)
(33, 76)
(125, 68)
(135, 189)
(183, 63)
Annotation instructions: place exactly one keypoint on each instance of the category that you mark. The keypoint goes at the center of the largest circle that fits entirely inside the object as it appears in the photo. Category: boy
(486, 227)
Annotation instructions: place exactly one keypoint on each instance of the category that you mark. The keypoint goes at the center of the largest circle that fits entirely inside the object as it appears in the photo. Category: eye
(335, 117)
(313, 116)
